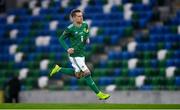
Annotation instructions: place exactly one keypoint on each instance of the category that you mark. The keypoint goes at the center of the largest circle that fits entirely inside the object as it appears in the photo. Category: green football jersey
(77, 37)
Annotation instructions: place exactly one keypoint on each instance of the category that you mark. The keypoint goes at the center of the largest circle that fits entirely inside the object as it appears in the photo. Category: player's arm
(62, 38)
(87, 30)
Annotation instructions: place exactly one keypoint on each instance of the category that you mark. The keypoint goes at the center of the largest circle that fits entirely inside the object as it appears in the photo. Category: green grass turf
(89, 106)
(93, 109)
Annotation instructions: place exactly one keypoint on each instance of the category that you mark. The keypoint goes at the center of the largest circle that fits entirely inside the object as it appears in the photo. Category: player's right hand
(70, 50)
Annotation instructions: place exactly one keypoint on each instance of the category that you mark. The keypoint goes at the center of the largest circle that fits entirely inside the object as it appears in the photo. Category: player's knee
(78, 75)
(82, 74)
(86, 73)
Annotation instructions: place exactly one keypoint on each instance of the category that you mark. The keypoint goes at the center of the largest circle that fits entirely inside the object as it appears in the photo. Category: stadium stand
(148, 61)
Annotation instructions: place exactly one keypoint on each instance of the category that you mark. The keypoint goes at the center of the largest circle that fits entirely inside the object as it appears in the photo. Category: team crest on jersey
(86, 30)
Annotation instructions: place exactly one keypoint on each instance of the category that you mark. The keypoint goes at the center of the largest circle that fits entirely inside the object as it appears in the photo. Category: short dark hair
(74, 11)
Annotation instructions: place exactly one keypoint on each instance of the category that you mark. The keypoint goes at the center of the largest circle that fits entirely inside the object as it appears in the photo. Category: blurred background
(134, 52)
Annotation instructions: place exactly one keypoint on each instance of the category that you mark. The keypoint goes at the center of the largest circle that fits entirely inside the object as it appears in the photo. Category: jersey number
(82, 38)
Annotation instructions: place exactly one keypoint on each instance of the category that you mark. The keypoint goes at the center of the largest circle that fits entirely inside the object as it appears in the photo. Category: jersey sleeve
(87, 30)
(62, 38)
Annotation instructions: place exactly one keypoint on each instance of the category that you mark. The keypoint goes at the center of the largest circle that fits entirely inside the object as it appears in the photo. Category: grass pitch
(48, 106)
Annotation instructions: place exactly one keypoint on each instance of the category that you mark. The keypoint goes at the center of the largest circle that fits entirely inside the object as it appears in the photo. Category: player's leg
(92, 85)
(16, 98)
(90, 82)
(57, 68)
(84, 72)
(80, 61)
(75, 71)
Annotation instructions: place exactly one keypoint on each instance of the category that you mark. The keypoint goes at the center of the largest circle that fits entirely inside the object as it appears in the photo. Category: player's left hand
(70, 50)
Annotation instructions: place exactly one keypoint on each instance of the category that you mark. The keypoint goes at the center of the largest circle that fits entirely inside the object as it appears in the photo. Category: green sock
(91, 84)
(68, 71)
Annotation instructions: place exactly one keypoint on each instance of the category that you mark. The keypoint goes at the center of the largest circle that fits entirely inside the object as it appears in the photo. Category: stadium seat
(27, 38)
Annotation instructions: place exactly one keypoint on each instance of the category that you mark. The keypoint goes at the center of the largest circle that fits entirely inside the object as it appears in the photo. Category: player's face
(78, 18)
